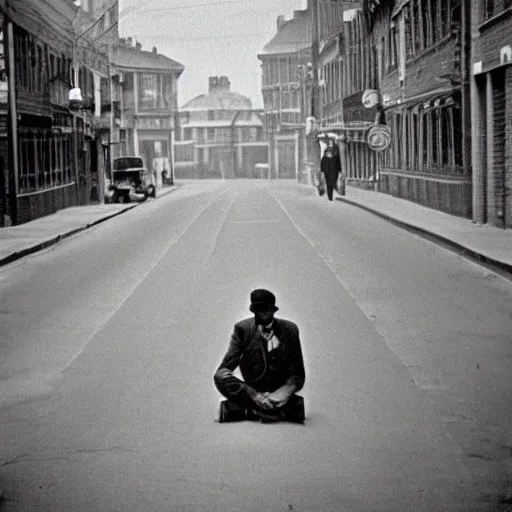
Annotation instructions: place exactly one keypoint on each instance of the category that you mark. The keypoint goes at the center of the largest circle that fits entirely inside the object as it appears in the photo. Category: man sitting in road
(269, 354)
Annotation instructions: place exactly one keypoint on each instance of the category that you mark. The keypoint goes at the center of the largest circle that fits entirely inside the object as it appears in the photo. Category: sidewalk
(19, 241)
(484, 243)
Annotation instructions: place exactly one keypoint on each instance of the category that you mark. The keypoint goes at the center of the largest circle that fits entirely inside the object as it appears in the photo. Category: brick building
(491, 90)
(359, 162)
(221, 135)
(420, 58)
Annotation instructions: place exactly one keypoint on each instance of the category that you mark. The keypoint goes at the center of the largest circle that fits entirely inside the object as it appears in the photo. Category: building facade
(491, 102)
(414, 55)
(221, 135)
(286, 91)
(47, 150)
(145, 105)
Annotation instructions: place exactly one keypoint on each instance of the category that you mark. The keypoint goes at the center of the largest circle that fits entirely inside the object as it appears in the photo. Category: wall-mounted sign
(379, 137)
(75, 98)
(370, 98)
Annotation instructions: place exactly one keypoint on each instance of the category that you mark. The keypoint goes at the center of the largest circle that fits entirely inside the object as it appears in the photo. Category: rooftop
(219, 97)
(128, 56)
(292, 35)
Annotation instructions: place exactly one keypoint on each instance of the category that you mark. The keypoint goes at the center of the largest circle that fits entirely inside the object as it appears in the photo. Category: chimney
(281, 20)
(219, 83)
(224, 83)
(212, 83)
(138, 45)
(154, 49)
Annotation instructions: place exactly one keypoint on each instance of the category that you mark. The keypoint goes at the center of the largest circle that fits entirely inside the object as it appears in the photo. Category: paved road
(109, 341)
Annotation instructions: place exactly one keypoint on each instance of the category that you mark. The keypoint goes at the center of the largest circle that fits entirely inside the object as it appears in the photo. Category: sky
(209, 37)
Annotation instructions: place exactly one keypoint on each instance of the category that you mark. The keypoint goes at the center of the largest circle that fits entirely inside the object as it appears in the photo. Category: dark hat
(262, 300)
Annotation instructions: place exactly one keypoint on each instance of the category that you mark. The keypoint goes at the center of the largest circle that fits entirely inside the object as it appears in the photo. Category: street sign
(379, 137)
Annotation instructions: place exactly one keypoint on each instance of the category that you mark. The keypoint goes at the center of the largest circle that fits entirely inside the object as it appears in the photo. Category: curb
(445, 242)
(52, 241)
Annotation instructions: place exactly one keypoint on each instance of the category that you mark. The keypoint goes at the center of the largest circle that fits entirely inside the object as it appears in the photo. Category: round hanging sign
(379, 137)
(370, 98)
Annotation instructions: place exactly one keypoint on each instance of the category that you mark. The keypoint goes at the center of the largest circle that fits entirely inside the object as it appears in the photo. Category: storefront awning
(435, 99)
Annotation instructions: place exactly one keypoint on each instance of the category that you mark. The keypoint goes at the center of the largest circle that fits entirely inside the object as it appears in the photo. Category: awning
(433, 100)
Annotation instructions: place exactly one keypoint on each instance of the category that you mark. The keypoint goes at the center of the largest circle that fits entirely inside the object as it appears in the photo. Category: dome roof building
(221, 135)
(219, 97)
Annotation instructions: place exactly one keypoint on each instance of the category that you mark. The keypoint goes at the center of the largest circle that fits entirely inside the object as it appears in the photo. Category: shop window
(424, 139)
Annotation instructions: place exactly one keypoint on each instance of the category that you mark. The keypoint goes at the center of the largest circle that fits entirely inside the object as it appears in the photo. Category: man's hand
(263, 401)
(279, 397)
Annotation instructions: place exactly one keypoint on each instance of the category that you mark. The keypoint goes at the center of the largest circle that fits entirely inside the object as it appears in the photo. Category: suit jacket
(248, 349)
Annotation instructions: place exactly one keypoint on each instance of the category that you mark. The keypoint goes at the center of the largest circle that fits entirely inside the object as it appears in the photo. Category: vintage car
(131, 181)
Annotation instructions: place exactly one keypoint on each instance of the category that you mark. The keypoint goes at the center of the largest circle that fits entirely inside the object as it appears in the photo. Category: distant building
(284, 64)
(221, 135)
(145, 105)
(491, 103)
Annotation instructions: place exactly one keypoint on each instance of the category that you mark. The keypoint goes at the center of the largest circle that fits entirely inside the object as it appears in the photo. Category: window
(184, 152)
(44, 160)
(409, 36)
(489, 8)
(274, 71)
(293, 71)
(283, 71)
(155, 91)
(392, 47)
(494, 7)
(147, 90)
(187, 133)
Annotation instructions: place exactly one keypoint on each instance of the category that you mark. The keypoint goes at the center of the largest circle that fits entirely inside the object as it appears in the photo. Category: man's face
(264, 317)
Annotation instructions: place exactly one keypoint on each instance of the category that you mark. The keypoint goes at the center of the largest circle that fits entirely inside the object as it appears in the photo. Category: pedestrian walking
(330, 167)
(269, 354)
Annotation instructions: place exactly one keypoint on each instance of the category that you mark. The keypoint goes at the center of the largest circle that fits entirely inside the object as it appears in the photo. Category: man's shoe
(251, 415)
(230, 412)
(268, 417)
(294, 410)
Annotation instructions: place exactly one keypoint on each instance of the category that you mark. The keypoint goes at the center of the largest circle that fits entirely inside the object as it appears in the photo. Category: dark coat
(248, 350)
(331, 167)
